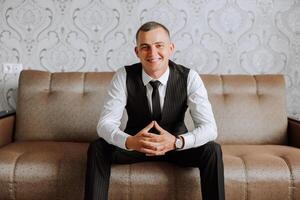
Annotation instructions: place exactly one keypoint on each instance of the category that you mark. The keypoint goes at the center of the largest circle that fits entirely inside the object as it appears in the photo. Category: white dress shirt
(205, 130)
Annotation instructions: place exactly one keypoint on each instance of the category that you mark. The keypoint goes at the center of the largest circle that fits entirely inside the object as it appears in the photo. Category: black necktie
(156, 110)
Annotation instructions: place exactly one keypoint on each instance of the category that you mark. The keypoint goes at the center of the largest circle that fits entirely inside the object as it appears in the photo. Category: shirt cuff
(121, 140)
(189, 140)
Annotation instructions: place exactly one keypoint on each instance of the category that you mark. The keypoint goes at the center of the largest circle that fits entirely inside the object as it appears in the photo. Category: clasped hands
(150, 143)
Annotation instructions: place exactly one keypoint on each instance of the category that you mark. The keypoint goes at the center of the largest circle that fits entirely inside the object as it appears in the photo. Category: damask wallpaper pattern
(211, 36)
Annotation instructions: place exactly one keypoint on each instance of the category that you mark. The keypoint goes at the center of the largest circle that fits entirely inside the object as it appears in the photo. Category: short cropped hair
(148, 26)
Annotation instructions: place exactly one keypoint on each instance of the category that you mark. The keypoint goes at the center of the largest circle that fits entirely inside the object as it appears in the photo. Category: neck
(156, 74)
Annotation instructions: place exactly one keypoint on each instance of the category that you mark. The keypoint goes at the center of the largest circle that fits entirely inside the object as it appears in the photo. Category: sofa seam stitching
(13, 181)
(246, 177)
(256, 86)
(59, 180)
(84, 84)
(222, 83)
(291, 180)
(129, 194)
(50, 83)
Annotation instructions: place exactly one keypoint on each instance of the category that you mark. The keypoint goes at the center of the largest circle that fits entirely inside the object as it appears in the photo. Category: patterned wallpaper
(211, 36)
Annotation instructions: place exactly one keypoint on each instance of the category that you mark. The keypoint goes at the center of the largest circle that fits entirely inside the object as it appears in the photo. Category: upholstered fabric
(42, 170)
(242, 104)
(6, 129)
(55, 170)
(60, 106)
(57, 115)
(248, 109)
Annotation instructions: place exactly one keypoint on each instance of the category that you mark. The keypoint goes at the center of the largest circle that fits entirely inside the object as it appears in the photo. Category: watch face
(178, 143)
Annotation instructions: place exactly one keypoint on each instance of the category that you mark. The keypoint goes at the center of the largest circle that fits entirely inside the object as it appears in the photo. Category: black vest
(175, 102)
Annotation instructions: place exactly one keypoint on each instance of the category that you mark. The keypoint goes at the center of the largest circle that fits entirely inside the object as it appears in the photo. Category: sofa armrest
(7, 119)
(294, 132)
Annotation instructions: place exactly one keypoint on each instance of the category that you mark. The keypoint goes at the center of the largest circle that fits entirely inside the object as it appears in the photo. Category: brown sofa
(43, 145)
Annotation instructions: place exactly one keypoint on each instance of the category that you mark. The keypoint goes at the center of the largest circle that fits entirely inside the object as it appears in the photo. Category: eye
(144, 47)
(159, 46)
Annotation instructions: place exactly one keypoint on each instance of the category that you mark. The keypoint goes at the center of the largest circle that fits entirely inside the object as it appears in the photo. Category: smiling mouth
(153, 60)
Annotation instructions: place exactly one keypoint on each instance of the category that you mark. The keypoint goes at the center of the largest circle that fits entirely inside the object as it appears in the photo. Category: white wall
(211, 36)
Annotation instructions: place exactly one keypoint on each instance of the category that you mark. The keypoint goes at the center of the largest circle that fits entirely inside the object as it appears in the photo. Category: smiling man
(156, 93)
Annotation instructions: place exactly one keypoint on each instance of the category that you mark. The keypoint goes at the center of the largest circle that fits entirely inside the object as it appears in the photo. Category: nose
(153, 50)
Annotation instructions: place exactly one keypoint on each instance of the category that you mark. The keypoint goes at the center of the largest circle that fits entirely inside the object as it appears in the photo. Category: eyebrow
(146, 44)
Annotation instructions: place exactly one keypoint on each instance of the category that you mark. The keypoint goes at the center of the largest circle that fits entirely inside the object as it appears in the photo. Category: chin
(156, 68)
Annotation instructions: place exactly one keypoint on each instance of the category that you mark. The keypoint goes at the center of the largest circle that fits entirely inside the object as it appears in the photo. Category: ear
(172, 47)
(136, 51)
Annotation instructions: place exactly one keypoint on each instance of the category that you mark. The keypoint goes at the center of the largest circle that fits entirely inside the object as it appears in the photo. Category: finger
(154, 146)
(157, 153)
(151, 135)
(148, 154)
(148, 127)
(160, 148)
(148, 151)
(149, 145)
(147, 134)
(148, 139)
(157, 126)
(153, 139)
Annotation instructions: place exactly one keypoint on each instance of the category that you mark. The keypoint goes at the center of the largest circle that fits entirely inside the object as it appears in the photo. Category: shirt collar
(163, 79)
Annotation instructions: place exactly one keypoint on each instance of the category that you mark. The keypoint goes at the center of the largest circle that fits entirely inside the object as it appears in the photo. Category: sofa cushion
(248, 109)
(253, 172)
(159, 180)
(261, 172)
(60, 106)
(42, 170)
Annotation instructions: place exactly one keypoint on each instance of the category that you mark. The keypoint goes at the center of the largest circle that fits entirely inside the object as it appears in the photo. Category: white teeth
(153, 59)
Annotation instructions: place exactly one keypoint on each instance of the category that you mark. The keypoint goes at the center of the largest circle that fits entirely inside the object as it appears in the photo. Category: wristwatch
(178, 143)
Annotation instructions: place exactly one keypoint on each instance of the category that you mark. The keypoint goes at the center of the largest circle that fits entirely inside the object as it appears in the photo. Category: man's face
(154, 49)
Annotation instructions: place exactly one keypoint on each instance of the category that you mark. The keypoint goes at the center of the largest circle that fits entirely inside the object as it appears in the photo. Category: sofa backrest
(248, 109)
(60, 106)
(65, 106)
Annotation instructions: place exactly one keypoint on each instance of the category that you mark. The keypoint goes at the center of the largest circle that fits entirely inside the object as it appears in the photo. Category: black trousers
(208, 158)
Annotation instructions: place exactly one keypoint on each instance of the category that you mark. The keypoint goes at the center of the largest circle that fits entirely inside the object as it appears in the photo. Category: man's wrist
(179, 143)
(182, 139)
(128, 143)
(174, 143)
